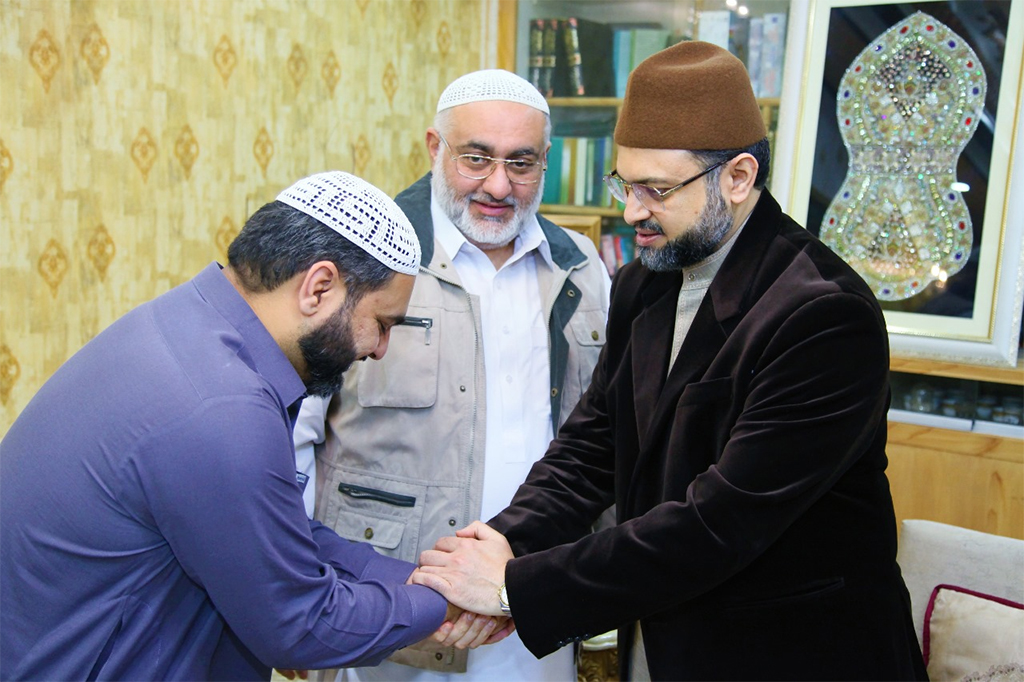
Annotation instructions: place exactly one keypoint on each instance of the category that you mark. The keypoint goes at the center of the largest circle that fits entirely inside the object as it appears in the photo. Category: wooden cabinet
(958, 476)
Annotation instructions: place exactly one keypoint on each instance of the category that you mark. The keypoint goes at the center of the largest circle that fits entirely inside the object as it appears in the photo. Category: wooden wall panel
(137, 136)
(964, 479)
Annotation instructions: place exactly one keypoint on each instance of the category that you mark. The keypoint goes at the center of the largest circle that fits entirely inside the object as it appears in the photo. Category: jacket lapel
(651, 341)
(729, 296)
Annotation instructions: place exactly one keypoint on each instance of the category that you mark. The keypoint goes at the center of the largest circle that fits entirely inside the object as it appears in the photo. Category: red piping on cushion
(925, 636)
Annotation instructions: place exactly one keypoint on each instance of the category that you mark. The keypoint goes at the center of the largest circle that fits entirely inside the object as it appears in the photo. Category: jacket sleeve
(805, 420)
(221, 488)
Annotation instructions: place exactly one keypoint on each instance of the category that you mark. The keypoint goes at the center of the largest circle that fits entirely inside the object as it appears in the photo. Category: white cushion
(932, 554)
(967, 633)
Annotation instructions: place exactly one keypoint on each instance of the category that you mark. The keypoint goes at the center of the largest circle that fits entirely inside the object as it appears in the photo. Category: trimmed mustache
(487, 198)
(649, 224)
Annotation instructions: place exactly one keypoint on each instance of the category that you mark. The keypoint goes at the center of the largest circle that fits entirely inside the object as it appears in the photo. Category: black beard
(328, 350)
(692, 246)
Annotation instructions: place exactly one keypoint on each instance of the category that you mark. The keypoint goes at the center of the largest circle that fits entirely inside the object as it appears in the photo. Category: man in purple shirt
(153, 525)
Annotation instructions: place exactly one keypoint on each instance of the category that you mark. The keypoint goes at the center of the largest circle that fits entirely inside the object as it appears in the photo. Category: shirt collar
(699, 275)
(266, 356)
(453, 241)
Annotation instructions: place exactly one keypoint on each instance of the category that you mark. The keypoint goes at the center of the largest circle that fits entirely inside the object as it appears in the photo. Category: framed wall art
(907, 161)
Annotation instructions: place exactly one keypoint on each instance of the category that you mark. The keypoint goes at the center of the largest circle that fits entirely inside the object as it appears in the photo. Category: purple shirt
(152, 524)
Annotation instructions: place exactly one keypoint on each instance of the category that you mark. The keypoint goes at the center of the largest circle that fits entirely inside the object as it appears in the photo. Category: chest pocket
(586, 334)
(407, 375)
(710, 391)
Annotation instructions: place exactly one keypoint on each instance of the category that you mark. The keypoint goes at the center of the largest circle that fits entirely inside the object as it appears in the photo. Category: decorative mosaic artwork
(906, 107)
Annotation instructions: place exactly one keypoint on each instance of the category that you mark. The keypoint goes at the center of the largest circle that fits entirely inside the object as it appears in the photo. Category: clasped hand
(467, 569)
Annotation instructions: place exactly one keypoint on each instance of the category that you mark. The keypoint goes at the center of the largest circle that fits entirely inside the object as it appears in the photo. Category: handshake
(469, 571)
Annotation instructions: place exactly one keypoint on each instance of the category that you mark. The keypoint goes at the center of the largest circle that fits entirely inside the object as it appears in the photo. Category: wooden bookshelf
(604, 211)
(954, 370)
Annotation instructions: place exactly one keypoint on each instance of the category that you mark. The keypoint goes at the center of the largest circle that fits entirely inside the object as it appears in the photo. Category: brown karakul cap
(693, 95)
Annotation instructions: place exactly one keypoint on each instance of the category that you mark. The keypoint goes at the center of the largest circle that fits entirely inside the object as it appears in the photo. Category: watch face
(503, 600)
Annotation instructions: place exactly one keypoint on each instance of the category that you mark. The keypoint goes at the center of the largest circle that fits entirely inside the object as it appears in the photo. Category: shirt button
(439, 655)
(571, 293)
(451, 522)
(554, 393)
(462, 388)
(594, 335)
(444, 266)
(691, 277)
(368, 533)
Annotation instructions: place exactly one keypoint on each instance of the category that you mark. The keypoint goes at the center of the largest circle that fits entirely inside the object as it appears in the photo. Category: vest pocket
(407, 375)
(384, 512)
(363, 493)
(382, 533)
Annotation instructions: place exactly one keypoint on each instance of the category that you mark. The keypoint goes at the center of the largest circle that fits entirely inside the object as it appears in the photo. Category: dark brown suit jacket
(756, 536)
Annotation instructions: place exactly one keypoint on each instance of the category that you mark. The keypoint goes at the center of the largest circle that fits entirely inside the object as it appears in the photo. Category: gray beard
(484, 232)
(694, 245)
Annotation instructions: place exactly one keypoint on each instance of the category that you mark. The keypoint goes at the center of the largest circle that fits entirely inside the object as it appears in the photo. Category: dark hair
(279, 241)
(760, 150)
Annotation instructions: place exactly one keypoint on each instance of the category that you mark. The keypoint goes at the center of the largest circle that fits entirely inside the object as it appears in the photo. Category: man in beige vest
(504, 328)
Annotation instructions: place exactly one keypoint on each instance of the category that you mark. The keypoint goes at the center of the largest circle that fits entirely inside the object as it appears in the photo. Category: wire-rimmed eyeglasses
(480, 167)
(651, 198)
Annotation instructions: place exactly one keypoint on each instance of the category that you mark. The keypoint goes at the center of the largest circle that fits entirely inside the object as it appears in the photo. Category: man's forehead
(634, 164)
(497, 123)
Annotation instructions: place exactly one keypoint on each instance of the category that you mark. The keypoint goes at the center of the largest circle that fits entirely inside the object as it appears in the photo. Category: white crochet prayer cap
(491, 85)
(361, 213)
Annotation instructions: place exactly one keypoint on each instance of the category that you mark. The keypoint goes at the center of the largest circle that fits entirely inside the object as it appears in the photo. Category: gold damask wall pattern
(136, 136)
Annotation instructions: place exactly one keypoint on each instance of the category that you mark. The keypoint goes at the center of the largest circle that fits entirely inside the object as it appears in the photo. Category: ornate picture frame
(975, 315)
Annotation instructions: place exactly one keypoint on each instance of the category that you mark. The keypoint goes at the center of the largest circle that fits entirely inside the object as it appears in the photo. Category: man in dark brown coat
(736, 418)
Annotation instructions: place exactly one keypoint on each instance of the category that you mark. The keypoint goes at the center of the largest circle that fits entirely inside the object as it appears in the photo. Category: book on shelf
(652, 37)
(553, 176)
(608, 252)
(536, 52)
(618, 247)
(773, 48)
(713, 27)
(624, 239)
(602, 164)
(647, 41)
(727, 29)
(754, 34)
(577, 57)
(622, 58)
(584, 152)
(567, 178)
(588, 57)
(576, 169)
(549, 43)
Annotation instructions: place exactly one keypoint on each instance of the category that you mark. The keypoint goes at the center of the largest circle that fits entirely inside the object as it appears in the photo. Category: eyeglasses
(651, 198)
(480, 167)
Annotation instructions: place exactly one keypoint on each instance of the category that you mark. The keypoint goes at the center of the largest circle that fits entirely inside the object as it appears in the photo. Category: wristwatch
(503, 600)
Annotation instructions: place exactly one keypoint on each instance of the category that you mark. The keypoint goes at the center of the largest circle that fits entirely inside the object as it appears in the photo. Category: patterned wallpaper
(136, 136)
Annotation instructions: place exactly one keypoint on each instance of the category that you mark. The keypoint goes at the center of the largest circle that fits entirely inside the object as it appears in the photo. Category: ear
(433, 143)
(322, 289)
(738, 178)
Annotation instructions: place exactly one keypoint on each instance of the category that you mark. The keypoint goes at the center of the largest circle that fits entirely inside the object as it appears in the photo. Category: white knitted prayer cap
(361, 213)
(491, 85)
